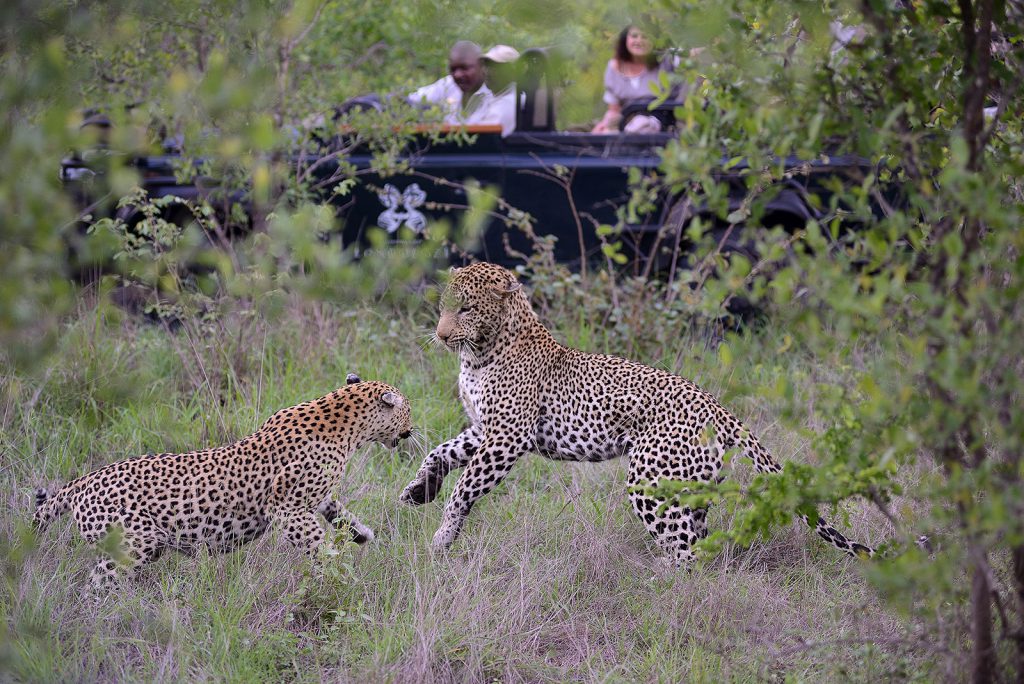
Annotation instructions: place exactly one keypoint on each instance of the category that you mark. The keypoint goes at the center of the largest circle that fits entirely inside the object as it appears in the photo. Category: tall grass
(552, 580)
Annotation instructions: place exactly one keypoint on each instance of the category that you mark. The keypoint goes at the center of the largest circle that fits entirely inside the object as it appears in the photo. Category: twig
(874, 497)
(566, 184)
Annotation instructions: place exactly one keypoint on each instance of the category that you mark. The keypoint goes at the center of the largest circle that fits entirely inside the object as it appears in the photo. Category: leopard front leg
(441, 460)
(302, 529)
(289, 507)
(338, 515)
(487, 468)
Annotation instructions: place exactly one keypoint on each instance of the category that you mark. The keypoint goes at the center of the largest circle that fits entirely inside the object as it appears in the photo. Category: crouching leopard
(524, 392)
(224, 497)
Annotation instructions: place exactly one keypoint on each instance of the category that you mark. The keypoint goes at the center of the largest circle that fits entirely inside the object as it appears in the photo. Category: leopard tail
(50, 507)
(750, 447)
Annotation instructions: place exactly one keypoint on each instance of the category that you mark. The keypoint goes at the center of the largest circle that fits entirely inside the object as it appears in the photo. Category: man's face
(467, 71)
(498, 75)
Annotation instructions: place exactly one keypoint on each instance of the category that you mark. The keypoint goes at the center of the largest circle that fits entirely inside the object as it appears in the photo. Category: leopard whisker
(472, 349)
(416, 442)
(429, 339)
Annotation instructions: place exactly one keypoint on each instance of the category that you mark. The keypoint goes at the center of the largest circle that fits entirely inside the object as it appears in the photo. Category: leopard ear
(352, 379)
(507, 291)
(391, 399)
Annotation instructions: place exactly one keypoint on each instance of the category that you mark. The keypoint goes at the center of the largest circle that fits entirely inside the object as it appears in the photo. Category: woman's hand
(609, 123)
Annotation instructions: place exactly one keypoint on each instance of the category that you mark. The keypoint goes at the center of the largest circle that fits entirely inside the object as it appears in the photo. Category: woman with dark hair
(628, 77)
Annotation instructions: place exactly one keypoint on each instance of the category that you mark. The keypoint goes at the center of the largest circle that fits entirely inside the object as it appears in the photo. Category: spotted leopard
(224, 497)
(524, 392)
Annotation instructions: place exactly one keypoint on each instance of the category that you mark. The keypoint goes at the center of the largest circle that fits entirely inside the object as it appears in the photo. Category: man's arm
(434, 94)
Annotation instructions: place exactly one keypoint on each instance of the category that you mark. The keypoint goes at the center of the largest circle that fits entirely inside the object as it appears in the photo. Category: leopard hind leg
(141, 541)
(674, 528)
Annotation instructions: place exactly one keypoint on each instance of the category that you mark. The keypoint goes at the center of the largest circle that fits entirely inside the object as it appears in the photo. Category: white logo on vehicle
(392, 218)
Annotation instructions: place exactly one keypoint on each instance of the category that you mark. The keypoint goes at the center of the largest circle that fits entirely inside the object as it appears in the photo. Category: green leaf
(725, 354)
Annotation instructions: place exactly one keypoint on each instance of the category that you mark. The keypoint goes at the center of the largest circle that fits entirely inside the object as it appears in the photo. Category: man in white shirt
(500, 77)
(462, 92)
(463, 95)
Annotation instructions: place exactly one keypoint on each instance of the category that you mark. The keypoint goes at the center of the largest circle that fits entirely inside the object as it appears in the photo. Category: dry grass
(552, 580)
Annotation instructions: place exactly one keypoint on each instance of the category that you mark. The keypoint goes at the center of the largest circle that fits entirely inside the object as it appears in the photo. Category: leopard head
(389, 418)
(397, 424)
(482, 308)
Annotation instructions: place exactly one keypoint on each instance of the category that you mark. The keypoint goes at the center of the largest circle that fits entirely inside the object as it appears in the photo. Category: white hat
(501, 54)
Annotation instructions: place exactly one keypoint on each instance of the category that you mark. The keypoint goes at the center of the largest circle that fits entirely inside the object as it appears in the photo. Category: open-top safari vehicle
(573, 186)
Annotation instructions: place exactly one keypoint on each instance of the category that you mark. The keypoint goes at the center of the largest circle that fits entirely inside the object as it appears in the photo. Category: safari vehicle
(565, 184)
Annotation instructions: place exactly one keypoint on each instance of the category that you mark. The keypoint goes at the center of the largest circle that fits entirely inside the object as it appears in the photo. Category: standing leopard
(224, 497)
(524, 392)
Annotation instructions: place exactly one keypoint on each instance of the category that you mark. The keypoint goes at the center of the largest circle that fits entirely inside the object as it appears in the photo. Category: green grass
(552, 580)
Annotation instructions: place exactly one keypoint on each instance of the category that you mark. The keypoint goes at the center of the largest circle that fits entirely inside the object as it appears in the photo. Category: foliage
(931, 278)
(322, 600)
(894, 315)
(236, 85)
(556, 580)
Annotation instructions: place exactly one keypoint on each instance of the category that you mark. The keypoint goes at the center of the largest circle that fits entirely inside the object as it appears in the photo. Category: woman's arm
(609, 123)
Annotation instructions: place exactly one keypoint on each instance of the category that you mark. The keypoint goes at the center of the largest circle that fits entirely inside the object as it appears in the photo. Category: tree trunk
(983, 655)
(1018, 582)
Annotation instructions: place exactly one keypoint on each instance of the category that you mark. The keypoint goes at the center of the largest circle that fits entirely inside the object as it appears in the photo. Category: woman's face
(637, 44)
